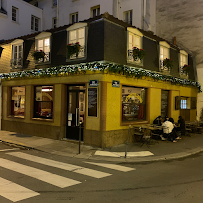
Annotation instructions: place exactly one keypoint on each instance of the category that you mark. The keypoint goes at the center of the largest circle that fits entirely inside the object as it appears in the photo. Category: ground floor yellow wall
(109, 106)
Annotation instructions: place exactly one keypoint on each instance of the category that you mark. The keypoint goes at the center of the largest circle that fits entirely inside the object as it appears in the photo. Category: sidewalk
(163, 150)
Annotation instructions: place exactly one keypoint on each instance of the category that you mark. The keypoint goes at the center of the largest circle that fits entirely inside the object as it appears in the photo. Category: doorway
(76, 111)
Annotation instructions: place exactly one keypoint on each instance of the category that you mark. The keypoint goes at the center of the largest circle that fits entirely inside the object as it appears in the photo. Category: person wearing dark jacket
(181, 123)
(157, 121)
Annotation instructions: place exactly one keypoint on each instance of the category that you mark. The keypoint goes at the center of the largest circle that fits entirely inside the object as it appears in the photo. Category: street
(30, 176)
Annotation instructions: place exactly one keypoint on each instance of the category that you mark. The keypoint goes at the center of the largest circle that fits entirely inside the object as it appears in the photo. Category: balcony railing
(45, 59)
(16, 63)
(130, 57)
(81, 53)
(162, 68)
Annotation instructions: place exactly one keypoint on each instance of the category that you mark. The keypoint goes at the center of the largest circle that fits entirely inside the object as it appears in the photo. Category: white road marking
(61, 165)
(122, 154)
(113, 166)
(47, 177)
(14, 192)
(4, 150)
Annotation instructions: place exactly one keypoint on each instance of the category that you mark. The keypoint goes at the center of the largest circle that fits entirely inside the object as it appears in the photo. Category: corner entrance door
(76, 111)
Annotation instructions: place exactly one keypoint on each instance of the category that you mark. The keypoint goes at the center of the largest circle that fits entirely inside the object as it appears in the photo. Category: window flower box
(38, 55)
(138, 54)
(73, 49)
(167, 63)
(186, 69)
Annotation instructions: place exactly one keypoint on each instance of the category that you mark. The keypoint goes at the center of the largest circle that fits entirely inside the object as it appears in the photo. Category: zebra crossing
(18, 192)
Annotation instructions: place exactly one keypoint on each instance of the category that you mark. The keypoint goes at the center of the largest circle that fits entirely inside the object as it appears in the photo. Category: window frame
(11, 99)
(144, 120)
(17, 62)
(75, 15)
(54, 24)
(97, 11)
(129, 16)
(16, 14)
(136, 34)
(74, 27)
(165, 46)
(34, 22)
(43, 36)
(35, 103)
(181, 63)
(54, 3)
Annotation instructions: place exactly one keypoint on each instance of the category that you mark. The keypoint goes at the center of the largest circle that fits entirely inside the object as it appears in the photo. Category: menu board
(92, 102)
(164, 103)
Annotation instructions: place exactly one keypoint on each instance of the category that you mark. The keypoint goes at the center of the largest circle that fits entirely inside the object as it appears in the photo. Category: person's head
(159, 117)
(180, 117)
(166, 118)
(171, 120)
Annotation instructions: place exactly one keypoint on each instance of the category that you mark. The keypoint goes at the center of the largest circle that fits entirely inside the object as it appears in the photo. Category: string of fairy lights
(82, 68)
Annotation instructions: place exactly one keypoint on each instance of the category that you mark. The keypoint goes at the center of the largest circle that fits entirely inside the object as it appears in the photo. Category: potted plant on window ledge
(186, 69)
(167, 63)
(73, 49)
(39, 54)
(138, 54)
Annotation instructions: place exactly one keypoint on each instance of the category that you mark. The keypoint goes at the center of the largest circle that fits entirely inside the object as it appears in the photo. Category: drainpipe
(57, 15)
(118, 9)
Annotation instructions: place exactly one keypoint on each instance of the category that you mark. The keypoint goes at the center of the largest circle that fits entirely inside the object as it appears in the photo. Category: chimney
(174, 40)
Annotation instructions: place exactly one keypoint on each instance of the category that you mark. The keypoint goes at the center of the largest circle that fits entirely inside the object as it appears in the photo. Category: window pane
(46, 42)
(40, 44)
(18, 101)
(73, 19)
(76, 17)
(94, 12)
(137, 41)
(20, 51)
(43, 102)
(98, 11)
(133, 103)
(36, 24)
(72, 36)
(32, 23)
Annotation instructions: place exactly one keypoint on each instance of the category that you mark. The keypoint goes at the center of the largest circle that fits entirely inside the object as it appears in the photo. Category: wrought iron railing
(130, 57)
(16, 63)
(162, 67)
(81, 53)
(46, 58)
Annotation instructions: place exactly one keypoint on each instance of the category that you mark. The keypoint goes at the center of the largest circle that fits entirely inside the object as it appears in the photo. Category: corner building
(102, 85)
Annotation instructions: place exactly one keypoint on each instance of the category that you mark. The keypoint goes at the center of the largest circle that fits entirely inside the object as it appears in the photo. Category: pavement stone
(161, 151)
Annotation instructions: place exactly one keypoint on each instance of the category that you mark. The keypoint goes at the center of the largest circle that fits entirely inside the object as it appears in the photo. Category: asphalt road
(40, 178)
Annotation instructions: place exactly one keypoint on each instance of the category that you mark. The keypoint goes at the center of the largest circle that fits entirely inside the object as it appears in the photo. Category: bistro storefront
(105, 103)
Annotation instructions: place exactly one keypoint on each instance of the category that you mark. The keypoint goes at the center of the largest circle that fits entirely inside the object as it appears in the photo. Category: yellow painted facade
(112, 118)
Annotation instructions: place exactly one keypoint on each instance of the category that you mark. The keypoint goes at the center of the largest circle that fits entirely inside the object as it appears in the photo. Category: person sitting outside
(157, 121)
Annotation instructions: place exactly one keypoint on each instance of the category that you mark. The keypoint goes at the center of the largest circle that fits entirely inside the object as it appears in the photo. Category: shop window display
(18, 101)
(133, 103)
(43, 102)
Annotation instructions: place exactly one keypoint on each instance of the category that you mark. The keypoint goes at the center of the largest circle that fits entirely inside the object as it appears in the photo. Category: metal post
(127, 141)
(79, 135)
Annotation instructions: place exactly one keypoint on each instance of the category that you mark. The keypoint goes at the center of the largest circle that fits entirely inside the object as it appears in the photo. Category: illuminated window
(18, 101)
(43, 102)
(133, 103)
(183, 104)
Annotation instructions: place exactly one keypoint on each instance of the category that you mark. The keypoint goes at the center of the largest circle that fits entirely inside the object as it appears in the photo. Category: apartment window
(183, 60)
(73, 18)
(133, 103)
(14, 14)
(18, 101)
(44, 45)
(43, 103)
(34, 23)
(134, 40)
(17, 54)
(54, 22)
(54, 2)
(77, 35)
(183, 104)
(95, 11)
(164, 53)
(127, 16)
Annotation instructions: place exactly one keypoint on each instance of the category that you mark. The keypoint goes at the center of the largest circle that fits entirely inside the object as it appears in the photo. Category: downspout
(57, 14)
(118, 9)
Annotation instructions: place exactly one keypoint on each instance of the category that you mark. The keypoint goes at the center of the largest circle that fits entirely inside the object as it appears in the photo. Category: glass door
(76, 112)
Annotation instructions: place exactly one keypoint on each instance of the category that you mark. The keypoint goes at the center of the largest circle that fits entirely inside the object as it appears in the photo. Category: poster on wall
(164, 103)
(92, 102)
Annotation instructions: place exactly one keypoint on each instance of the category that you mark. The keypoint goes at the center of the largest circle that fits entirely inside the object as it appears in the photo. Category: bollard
(127, 141)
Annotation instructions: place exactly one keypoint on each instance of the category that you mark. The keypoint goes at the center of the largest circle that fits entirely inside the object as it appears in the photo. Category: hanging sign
(93, 83)
(115, 83)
